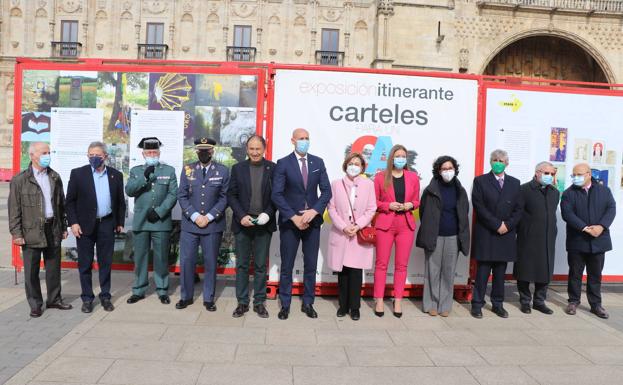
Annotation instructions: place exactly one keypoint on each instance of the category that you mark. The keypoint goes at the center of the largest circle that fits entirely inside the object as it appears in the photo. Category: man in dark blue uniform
(203, 198)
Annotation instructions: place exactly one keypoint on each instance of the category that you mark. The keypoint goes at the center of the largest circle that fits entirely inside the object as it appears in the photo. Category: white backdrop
(528, 124)
(440, 119)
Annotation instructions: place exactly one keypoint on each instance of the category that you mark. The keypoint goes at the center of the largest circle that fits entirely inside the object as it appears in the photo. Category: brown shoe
(600, 312)
(432, 313)
(444, 313)
(571, 308)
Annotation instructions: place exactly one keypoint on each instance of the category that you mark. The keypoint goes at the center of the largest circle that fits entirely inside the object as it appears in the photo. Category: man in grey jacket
(37, 223)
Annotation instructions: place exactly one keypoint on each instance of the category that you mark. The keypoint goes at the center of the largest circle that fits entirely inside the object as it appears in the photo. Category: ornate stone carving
(155, 7)
(41, 12)
(15, 44)
(272, 52)
(243, 10)
(70, 6)
(99, 46)
(298, 52)
(211, 49)
(42, 3)
(124, 47)
(608, 36)
(40, 44)
(359, 56)
(185, 48)
(385, 7)
(485, 27)
(464, 58)
(127, 5)
(332, 14)
(188, 6)
(300, 20)
(101, 15)
(101, 4)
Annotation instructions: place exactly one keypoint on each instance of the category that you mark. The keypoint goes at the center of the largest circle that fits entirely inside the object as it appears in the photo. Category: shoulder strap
(348, 199)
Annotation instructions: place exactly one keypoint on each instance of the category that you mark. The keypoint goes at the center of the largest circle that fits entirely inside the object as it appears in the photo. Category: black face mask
(204, 156)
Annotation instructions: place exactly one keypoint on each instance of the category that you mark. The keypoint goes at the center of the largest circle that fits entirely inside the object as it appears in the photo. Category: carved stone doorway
(546, 57)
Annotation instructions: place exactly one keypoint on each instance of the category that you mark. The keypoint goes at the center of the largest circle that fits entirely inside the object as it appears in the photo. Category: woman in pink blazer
(351, 208)
(397, 195)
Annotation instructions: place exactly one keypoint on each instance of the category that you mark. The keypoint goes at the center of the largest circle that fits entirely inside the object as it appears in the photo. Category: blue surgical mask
(151, 160)
(546, 180)
(44, 160)
(400, 163)
(578, 180)
(96, 161)
(302, 146)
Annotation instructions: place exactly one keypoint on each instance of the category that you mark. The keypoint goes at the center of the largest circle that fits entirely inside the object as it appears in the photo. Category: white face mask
(447, 175)
(353, 170)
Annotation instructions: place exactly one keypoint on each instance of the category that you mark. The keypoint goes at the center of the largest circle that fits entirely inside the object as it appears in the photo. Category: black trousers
(540, 292)
(594, 264)
(52, 262)
(498, 270)
(349, 285)
(103, 237)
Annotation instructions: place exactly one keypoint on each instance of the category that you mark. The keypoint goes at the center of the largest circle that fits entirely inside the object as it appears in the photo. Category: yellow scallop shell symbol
(172, 90)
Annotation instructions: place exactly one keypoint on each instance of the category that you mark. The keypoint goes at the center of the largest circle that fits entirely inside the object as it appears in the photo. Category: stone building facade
(560, 39)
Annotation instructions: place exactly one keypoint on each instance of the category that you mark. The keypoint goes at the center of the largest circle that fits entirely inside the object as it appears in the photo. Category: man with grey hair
(37, 223)
(497, 205)
(95, 211)
(536, 238)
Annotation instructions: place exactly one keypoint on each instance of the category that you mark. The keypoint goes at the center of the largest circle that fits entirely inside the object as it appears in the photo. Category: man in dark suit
(253, 223)
(588, 208)
(95, 207)
(496, 198)
(296, 181)
(203, 198)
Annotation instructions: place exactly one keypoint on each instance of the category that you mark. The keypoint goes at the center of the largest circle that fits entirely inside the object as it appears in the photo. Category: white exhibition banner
(369, 113)
(168, 127)
(73, 130)
(565, 129)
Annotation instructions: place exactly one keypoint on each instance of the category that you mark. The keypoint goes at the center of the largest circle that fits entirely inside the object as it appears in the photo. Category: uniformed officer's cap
(151, 143)
(204, 143)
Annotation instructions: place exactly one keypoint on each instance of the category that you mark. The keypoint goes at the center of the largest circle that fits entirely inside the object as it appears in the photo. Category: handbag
(367, 235)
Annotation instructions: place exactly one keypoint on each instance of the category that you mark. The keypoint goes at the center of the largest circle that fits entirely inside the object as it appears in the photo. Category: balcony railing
(330, 58)
(241, 53)
(589, 6)
(152, 51)
(65, 49)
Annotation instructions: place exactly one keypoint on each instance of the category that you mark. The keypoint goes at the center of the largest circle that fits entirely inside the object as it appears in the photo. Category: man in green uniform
(154, 189)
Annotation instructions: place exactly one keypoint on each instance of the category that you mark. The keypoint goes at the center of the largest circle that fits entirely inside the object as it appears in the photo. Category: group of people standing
(513, 223)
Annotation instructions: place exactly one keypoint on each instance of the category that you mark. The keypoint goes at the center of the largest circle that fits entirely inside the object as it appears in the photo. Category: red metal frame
(119, 65)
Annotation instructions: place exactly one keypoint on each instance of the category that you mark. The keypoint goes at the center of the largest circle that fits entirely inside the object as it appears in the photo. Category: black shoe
(525, 308)
(164, 299)
(354, 315)
(396, 314)
(543, 309)
(197, 279)
(107, 305)
(36, 312)
(379, 313)
(135, 298)
(87, 307)
(476, 313)
(210, 306)
(500, 311)
(284, 313)
(260, 309)
(341, 312)
(59, 305)
(240, 310)
(309, 310)
(600, 312)
(183, 303)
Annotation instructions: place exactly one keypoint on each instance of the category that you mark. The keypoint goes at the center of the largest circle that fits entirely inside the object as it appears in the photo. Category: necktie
(501, 181)
(304, 172)
(203, 170)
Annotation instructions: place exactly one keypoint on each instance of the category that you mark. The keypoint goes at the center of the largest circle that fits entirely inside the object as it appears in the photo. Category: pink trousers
(402, 236)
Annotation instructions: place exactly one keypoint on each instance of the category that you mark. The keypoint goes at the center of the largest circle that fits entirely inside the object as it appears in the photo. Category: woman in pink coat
(351, 208)
(397, 195)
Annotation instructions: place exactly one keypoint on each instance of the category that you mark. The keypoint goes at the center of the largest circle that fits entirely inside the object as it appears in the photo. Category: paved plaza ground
(151, 343)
